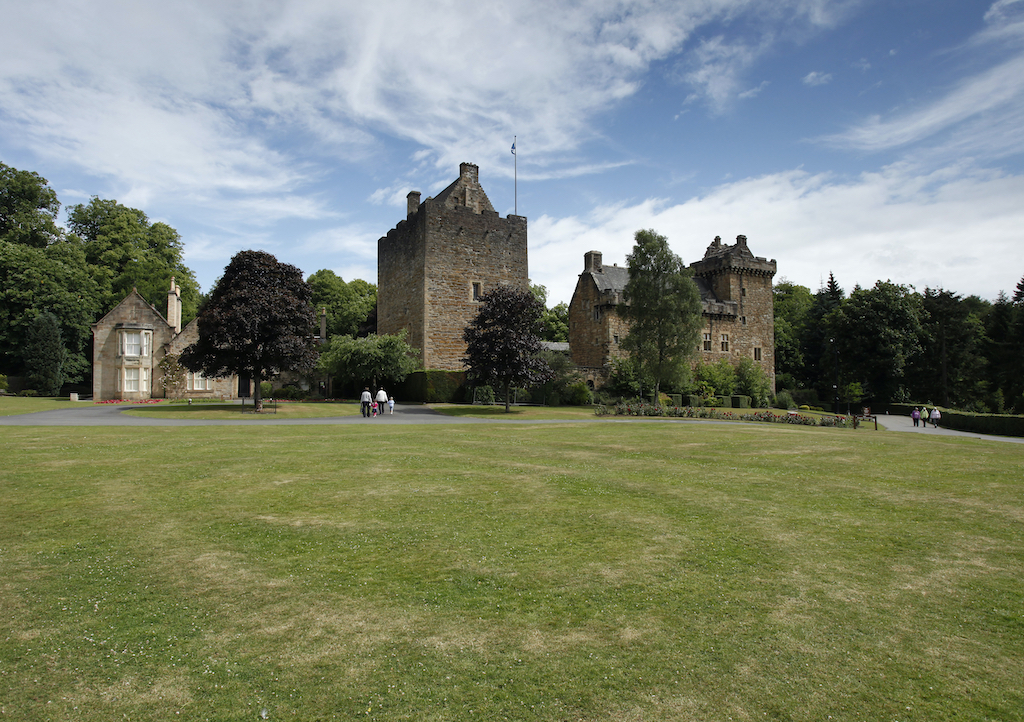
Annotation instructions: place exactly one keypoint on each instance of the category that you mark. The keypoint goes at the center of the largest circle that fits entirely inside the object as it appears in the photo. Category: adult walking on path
(382, 400)
(365, 399)
(935, 416)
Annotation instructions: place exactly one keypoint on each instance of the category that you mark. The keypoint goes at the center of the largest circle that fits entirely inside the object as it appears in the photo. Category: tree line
(57, 280)
(891, 343)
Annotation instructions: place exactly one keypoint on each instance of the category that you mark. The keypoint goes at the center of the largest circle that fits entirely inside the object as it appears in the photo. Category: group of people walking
(373, 405)
(923, 416)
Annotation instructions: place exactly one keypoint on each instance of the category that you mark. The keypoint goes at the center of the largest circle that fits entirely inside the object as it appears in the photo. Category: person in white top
(382, 399)
(365, 399)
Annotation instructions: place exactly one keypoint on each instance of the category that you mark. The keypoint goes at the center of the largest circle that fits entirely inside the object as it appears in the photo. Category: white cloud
(815, 78)
(944, 229)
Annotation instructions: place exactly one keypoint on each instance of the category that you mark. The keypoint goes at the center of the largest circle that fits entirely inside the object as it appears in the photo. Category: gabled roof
(132, 299)
(465, 187)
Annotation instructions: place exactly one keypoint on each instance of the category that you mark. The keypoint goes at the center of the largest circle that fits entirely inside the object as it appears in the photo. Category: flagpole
(515, 177)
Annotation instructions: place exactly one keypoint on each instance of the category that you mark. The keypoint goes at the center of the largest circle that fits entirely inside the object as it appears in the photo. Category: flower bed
(642, 408)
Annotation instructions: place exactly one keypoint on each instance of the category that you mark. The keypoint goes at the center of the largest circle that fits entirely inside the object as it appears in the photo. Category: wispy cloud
(815, 78)
(893, 224)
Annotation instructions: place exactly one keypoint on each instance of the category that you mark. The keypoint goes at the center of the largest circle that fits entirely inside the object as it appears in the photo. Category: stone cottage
(132, 339)
(737, 308)
(434, 267)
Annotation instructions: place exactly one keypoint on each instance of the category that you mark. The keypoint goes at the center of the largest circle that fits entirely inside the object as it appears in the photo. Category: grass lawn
(13, 405)
(285, 409)
(591, 572)
(528, 413)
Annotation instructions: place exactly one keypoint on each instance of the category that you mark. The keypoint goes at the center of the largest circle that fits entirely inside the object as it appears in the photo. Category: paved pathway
(89, 414)
(906, 424)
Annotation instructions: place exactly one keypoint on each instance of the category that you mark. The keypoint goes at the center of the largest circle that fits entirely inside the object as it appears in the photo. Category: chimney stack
(592, 262)
(412, 203)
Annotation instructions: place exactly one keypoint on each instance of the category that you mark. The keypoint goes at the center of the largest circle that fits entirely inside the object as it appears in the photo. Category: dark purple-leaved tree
(257, 322)
(503, 341)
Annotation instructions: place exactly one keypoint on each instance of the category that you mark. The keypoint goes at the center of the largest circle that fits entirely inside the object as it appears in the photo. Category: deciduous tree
(369, 360)
(348, 304)
(28, 209)
(503, 342)
(126, 251)
(663, 309)
(256, 322)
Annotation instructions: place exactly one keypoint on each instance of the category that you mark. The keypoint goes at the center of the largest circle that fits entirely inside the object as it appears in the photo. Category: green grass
(283, 410)
(14, 405)
(614, 571)
(528, 413)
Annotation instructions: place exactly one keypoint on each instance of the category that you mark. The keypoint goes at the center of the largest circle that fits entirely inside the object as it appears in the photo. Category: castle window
(597, 313)
(725, 342)
(616, 337)
(757, 354)
(131, 380)
(707, 342)
(476, 292)
(743, 320)
(198, 382)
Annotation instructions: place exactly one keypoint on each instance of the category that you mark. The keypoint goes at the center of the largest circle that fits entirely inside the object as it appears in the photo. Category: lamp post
(835, 385)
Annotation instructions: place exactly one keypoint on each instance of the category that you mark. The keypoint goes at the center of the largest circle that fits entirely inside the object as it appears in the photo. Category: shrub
(266, 389)
(784, 400)
(483, 395)
(3, 383)
(579, 394)
(28, 392)
(740, 401)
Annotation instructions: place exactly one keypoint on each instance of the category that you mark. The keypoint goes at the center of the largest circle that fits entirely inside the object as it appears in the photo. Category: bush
(740, 401)
(639, 407)
(266, 389)
(290, 393)
(784, 400)
(28, 392)
(579, 394)
(483, 395)
(3, 383)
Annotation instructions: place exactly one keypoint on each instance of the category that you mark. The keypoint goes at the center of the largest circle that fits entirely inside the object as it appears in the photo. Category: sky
(875, 140)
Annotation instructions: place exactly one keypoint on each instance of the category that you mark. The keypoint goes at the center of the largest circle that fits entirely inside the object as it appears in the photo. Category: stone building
(434, 266)
(129, 343)
(736, 299)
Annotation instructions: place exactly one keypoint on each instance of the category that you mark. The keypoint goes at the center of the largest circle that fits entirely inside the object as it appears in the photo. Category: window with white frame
(707, 342)
(131, 380)
(725, 342)
(477, 293)
(198, 382)
(136, 343)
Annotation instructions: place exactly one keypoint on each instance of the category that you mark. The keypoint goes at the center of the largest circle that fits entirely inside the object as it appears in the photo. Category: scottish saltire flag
(513, 147)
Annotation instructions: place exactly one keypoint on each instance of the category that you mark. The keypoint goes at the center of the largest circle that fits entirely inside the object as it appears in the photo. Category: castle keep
(433, 267)
(736, 300)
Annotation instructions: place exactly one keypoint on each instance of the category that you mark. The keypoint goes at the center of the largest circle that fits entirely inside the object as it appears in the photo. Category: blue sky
(876, 140)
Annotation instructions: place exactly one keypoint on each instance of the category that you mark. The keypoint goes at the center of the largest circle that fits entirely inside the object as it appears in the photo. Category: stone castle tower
(433, 267)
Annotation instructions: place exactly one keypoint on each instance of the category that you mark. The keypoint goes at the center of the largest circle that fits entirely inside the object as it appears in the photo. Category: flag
(513, 147)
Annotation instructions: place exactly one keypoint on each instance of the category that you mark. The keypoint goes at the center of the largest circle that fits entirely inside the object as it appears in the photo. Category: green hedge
(739, 401)
(433, 387)
(998, 424)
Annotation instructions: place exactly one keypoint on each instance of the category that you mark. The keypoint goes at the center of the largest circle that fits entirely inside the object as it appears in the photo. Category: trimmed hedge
(998, 424)
(739, 401)
(434, 386)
